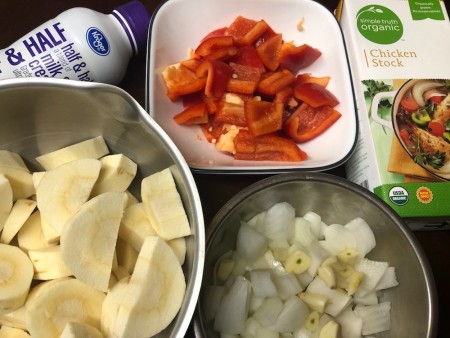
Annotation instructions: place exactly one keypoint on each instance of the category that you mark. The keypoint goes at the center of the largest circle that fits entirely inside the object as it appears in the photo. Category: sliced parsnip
(136, 308)
(16, 273)
(116, 174)
(60, 301)
(92, 148)
(48, 263)
(89, 237)
(30, 235)
(6, 199)
(63, 190)
(163, 205)
(20, 212)
(16, 171)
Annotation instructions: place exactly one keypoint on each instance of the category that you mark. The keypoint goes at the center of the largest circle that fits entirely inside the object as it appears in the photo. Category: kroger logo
(97, 41)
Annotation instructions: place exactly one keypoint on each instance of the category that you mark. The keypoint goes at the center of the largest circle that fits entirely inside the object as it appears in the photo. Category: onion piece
(420, 88)
(373, 272)
(279, 221)
(262, 285)
(292, 316)
(250, 243)
(233, 309)
(375, 318)
(269, 310)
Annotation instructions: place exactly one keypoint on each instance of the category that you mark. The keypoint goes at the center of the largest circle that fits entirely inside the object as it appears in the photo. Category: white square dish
(178, 26)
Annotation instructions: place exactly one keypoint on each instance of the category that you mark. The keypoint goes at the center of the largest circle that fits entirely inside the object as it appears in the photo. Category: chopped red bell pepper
(212, 130)
(266, 148)
(315, 95)
(192, 115)
(266, 36)
(240, 27)
(253, 34)
(248, 56)
(232, 110)
(284, 95)
(271, 83)
(214, 33)
(308, 78)
(244, 79)
(217, 74)
(269, 52)
(213, 43)
(263, 117)
(181, 81)
(295, 58)
(241, 86)
(223, 54)
(307, 122)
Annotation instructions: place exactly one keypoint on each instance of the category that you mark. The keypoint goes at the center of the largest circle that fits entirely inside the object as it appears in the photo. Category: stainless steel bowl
(38, 116)
(414, 302)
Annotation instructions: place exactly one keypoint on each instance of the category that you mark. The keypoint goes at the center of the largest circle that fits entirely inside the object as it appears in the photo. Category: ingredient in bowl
(80, 254)
(299, 276)
(243, 87)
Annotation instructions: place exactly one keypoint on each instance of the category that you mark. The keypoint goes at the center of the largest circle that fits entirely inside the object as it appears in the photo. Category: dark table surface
(18, 17)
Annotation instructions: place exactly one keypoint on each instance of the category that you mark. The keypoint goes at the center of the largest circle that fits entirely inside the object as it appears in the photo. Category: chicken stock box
(399, 52)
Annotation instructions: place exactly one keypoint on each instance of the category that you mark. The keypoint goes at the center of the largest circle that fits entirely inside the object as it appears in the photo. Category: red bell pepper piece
(222, 54)
(244, 79)
(308, 78)
(241, 86)
(217, 75)
(214, 33)
(284, 96)
(272, 83)
(239, 27)
(248, 56)
(266, 36)
(232, 110)
(195, 114)
(212, 130)
(252, 35)
(307, 122)
(266, 148)
(269, 52)
(263, 117)
(295, 58)
(315, 95)
(181, 81)
(213, 43)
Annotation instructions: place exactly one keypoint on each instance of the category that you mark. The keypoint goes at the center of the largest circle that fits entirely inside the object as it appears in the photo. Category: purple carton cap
(135, 19)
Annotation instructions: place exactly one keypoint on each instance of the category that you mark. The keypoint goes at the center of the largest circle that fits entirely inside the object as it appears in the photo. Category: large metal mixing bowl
(37, 116)
(413, 301)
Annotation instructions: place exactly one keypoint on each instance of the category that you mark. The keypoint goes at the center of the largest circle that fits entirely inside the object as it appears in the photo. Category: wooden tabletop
(18, 17)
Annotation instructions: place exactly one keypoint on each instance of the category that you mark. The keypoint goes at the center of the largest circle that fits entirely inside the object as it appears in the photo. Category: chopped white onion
(232, 311)
(262, 285)
(375, 318)
(292, 316)
(365, 238)
(250, 243)
(287, 285)
(269, 311)
(279, 221)
(373, 272)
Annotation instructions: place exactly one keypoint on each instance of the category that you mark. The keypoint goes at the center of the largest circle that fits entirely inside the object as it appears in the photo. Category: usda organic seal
(398, 195)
